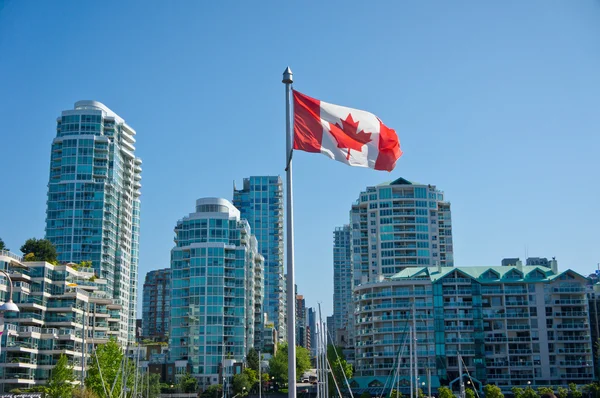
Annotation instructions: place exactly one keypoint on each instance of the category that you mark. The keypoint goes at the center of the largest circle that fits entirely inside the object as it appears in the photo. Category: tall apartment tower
(342, 282)
(93, 202)
(156, 305)
(300, 320)
(397, 225)
(215, 296)
(260, 201)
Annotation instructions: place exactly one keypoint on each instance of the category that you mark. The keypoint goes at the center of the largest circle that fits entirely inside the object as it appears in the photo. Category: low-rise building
(63, 310)
(510, 326)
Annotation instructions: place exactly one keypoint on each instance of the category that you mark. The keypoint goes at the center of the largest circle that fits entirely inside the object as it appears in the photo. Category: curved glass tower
(94, 201)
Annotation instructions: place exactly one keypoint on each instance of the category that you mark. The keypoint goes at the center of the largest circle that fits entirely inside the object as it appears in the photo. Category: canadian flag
(351, 136)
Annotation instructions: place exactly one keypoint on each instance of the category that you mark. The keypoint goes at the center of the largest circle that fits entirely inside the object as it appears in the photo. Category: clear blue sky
(496, 103)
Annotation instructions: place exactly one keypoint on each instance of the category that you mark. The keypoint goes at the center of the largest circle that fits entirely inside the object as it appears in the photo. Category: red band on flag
(308, 131)
(389, 148)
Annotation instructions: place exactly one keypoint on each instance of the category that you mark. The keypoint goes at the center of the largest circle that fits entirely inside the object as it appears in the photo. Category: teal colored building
(93, 207)
(510, 325)
(216, 289)
(260, 201)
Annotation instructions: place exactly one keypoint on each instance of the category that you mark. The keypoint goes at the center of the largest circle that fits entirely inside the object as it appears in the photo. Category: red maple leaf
(348, 136)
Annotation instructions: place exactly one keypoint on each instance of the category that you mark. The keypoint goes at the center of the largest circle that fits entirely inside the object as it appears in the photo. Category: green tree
(42, 249)
(445, 392)
(530, 393)
(340, 368)
(252, 359)
(213, 391)
(109, 357)
(83, 393)
(278, 364)
(252, 376)
(395, 394)
(241, 384)
(149, 388)
(188, 383)
(492, 391)
(545, 390)
(562, 392)
(421, 394)
(592, 389)
(60, 383)
(3, 246)
(575, 393)
(365, 395)
(469, 393)
(517, 392)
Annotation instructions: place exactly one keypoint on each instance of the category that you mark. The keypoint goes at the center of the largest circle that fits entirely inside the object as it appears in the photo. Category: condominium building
(260, 201)
(216, 292)
(156, 305)
(300, 320)
(397, 225)
(94, 200)
(510, 325)
(64, 309)
(343, 308)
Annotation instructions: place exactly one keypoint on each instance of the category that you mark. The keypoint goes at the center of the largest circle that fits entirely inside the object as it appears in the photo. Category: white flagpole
(291, 300)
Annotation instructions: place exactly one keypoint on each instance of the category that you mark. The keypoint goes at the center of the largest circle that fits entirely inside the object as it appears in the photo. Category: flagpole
(291, 302)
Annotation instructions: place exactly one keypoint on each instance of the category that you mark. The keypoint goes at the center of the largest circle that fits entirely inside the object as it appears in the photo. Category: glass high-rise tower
(216, 288)
(94, 200)
(260, 201)
(399, 224)
(342, 282)
(156, 304)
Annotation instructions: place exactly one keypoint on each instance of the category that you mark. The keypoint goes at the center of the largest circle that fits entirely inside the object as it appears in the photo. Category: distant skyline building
(399, 224)
(93, 207)
(311, 326)
(156, 305)
(300, 319)
(343, 308)
(214, 293)
(260, 201)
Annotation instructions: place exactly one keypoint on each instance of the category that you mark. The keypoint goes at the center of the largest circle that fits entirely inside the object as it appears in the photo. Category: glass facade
(156, 305)
(342, 284)
(216, 281)
(94, 200)
(397, 225)
(260, 201)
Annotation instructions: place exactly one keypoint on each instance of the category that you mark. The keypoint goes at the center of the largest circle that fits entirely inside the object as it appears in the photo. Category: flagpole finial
(288, 76)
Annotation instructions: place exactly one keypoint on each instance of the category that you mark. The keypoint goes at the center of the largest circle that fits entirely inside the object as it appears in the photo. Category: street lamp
(9, 305)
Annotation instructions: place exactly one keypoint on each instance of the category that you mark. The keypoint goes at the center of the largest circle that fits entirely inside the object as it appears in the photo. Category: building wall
(156, 304)
(55, 302)
(260, 201)
(94, 200)
(397, 225)
(213, 288)
(512, 325)
(342, 283)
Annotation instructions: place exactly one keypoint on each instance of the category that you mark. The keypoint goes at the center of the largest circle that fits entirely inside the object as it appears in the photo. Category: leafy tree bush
(60, 382)
(3, 246)
(278, 364)
(575, 392)
(562, 392)
(213, 391)
(252, 359)
(109, 357)
(492, 391)
(445, 392)
(188, 383)
(42, 249)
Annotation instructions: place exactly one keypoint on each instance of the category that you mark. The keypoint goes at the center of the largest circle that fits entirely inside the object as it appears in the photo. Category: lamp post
(8, 306)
